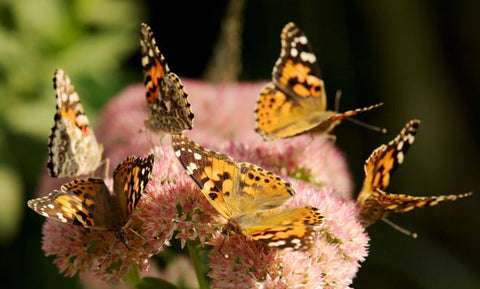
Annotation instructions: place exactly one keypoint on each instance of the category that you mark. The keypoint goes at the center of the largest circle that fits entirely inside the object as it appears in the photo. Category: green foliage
(91, 41)
(88, 39)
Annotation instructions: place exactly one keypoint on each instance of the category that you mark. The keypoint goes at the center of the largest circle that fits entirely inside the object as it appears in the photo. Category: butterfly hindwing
(76, 203)
(382, 205)
(290, 228)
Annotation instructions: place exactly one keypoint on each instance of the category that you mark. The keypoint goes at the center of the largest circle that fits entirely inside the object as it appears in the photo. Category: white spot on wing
(294, 52)
(191, 167)
(308, 57)
(400, 146)
(303, 40)
(411, 138)
(278, 243)
(400, 157)
(61, 217)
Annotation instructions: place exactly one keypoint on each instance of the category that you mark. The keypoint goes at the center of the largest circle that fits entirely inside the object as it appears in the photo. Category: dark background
(421, 58)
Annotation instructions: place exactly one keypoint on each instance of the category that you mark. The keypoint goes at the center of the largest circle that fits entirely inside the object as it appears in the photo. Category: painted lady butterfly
(295, 101)
(373, 202)
(248, 197)
(88, 202)
(168, 106)
(72, 148)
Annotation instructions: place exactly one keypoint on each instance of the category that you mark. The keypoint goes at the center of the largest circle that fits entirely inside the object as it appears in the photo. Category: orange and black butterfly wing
(80, 202)
(383, 162)
(130, 179)
(167, 102)
(295, 100)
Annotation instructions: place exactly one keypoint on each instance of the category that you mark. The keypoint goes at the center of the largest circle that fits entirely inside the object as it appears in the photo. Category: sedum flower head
(173, 207)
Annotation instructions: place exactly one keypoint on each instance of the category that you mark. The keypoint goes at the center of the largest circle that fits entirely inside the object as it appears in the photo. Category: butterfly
(167, 103)
(73, 149)
(374, 203)
(88, 202)
(296, 101)
(248, 197)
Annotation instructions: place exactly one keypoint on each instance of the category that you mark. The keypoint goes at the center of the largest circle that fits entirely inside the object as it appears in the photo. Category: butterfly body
(72, 149)
(248, 196)
(373, 202)
(167, 103)
(89, 203)
(295, 101)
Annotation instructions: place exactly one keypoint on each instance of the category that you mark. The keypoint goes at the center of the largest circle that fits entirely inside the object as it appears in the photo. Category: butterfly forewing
(167, 102)
(296, 72)
(381, 164)
(216, 174)
(72, 148)
(130, 179)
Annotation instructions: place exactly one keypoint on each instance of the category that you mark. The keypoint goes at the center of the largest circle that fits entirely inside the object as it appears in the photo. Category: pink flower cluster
(173, 207)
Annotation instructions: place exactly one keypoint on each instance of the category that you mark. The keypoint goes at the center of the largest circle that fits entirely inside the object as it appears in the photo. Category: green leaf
(154, 283)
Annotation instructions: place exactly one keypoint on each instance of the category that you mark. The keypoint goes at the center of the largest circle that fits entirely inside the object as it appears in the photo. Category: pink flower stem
(197, 265)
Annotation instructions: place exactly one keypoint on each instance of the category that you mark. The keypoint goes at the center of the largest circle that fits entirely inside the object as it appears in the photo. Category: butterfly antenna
(338, 95)
(136, 233)
(226, 256)
(368, 126)
(109, 252)
(400, 229)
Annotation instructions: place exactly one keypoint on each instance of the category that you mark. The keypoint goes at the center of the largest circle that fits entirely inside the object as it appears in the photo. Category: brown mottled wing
(81, 202)
(130, 179)
(72, 148)
(381, 205)
(167, 102)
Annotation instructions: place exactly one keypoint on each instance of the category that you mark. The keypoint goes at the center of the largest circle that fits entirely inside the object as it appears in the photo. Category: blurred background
(421, 58)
